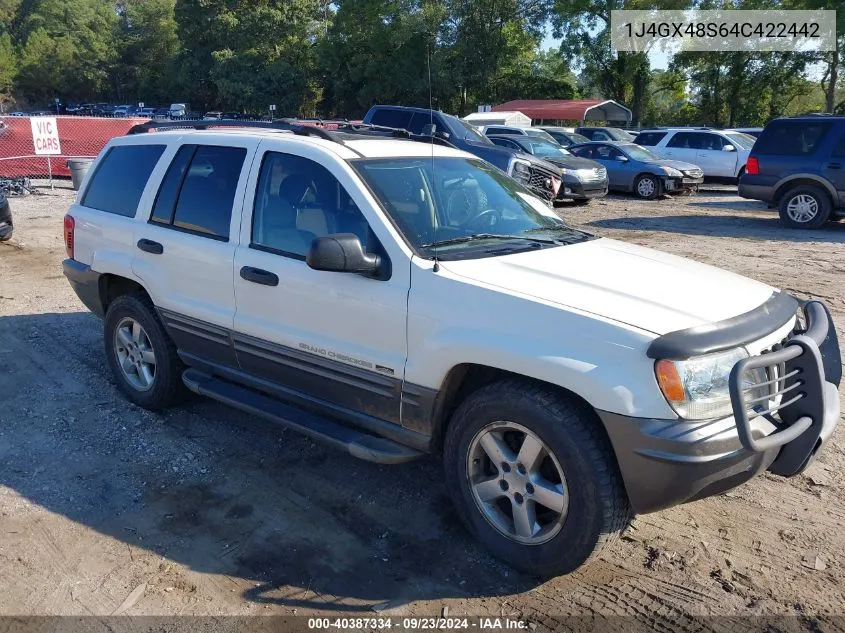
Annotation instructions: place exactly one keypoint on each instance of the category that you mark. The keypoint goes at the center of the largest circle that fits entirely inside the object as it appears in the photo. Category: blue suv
(798, 165)
(541, 177)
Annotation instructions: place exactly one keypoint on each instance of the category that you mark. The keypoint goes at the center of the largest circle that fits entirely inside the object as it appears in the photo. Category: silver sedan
(631, 167)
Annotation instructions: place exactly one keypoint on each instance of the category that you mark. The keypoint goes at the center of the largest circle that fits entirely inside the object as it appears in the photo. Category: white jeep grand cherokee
(394, 298)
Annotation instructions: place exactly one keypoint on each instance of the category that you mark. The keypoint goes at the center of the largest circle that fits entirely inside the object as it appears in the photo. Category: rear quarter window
(792, 138)
(649, 139)
(391, 118)
(119, 180)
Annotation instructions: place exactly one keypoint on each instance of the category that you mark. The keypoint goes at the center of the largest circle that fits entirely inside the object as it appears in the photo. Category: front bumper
(686, 183)
(577, 189)
(669, 462)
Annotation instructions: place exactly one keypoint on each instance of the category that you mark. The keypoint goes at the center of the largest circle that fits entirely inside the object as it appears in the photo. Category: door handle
(148, 246)
(834, 165)
(258, 276)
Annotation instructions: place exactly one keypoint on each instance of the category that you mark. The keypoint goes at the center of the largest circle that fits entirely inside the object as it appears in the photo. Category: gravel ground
(106, 508)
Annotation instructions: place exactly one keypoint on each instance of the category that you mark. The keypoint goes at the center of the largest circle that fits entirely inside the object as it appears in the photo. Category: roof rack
(342, 129)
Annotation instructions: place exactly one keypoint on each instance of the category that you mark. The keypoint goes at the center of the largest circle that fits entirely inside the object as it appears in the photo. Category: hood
(574, 162)
(676, 164)
(644, 288)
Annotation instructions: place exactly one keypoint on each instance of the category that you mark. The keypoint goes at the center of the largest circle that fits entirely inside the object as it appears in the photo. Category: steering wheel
(487, 219)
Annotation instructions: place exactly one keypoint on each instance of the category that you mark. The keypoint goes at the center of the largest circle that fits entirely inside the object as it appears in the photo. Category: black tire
(581, 202)
(598, 508)
(167, 388)
(655, 190)
(822, 200)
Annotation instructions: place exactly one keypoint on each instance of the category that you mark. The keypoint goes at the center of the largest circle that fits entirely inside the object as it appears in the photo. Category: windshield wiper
(489, 236)
(576, 234)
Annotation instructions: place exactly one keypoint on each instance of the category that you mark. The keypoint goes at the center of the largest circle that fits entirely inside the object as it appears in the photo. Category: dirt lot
(105, 508)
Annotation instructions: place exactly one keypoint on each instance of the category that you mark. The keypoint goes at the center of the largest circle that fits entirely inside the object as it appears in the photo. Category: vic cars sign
(45, 136)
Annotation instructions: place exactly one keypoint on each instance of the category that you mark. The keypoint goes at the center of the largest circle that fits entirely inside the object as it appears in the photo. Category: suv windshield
(462, 208)
(743, 141)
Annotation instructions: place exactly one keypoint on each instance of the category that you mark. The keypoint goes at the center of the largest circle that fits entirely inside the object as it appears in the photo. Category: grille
(538, 183)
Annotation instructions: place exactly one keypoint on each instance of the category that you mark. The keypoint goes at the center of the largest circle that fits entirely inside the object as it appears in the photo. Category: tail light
(752, 167)
(70, 224)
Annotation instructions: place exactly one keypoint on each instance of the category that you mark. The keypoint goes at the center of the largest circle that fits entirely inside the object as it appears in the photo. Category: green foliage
(338, 57)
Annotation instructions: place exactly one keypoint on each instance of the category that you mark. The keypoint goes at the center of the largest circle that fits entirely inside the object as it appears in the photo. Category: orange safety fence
(80, 137)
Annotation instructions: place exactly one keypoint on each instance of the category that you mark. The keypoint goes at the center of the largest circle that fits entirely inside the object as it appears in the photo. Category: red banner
(79, 137)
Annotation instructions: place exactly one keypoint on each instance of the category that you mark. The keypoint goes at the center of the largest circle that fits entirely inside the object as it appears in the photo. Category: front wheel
(533, 477)
(804, 207)
(647, 187)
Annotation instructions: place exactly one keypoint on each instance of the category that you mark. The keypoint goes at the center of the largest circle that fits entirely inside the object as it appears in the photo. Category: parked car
(125, 111)
(564, 136)
(161, 113)
(719, 153)
(511, 130)
(393, 298)
(146, 112)
(605, 133)
(6, 226)
(583, 179)
(178, 110)
(750, 131)
(636, 169)
(213, 114)
(103, 109)
(540, 176)
(798, 165)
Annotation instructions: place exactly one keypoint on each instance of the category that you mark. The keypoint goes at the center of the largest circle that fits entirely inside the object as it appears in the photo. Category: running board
(358, 444)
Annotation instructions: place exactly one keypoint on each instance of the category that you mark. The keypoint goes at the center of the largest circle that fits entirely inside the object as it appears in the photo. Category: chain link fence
(79, 137)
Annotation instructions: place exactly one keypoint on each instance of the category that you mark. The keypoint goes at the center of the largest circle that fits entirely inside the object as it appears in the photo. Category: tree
(8, 67)
(247, 54)
(149, 50)
(68, 48)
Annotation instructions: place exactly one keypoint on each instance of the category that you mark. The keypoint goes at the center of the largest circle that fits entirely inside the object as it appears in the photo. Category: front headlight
(697, 388)
(520, 170)
(674, 173)
(565, 171)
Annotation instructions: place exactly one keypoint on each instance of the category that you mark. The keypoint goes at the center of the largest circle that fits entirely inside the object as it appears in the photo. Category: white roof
(517, 119)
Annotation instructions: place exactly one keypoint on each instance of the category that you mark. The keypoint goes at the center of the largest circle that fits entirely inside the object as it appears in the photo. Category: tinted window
(605, 152)
(684, 140)
(420, 120)
(505, 142)
(649, 138)
(791, 138)
(298, 200)
(583, 152)
(839, 150)
(391, 118)
(166, 198)
(120, 178)
(500, 130)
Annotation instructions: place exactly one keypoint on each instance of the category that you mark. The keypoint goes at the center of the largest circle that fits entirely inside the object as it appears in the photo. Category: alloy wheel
(802, 208)
(517, 483)
(135, 355)
(645, 187)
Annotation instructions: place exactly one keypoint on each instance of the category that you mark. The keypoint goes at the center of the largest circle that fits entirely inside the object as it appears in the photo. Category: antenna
(436, 267)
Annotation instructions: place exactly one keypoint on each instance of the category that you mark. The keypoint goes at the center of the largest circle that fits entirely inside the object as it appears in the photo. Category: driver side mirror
(344, 253)
(728, 148)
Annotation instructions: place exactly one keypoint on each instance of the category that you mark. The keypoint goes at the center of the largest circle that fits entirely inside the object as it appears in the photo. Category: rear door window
(119, 180)
(649, 139)
(207, 177)
(792, 138)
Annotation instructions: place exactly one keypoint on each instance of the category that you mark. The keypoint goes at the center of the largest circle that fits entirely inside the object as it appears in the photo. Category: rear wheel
(533, 477)
(647, 187)
(804, 207)
(140, 354)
